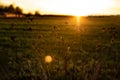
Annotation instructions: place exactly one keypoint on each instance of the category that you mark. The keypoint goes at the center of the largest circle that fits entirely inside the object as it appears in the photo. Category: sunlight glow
(78, 7)
(66, 7)
(78, 20)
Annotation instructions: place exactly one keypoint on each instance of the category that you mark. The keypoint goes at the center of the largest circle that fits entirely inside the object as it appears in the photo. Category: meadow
(85, 48)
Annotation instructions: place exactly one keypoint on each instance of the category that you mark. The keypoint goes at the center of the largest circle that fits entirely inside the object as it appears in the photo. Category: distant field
(88, 49)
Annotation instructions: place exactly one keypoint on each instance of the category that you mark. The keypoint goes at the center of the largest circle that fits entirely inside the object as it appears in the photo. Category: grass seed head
(48, 59)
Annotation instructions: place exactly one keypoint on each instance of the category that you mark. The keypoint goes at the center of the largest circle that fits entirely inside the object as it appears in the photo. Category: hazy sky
(73, 7)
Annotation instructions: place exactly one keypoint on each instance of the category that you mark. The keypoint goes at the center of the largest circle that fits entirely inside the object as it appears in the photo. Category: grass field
(88, 49)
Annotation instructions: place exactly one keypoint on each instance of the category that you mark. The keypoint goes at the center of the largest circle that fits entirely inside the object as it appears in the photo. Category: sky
(68, 7)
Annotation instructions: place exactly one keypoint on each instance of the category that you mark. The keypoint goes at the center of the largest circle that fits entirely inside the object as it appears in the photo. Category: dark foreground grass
(89, 50)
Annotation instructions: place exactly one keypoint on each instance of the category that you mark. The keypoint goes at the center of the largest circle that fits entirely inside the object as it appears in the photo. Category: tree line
(15, 10)
(11, 9)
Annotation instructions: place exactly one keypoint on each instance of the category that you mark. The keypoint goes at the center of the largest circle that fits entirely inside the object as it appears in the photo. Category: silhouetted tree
(28, 15)
(1, 8)
(18, 11)
(37, 13)
(11, 9)
(6, 9)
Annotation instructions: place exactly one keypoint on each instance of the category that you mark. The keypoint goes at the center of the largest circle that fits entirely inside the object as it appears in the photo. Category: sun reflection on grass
(78, 18)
